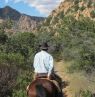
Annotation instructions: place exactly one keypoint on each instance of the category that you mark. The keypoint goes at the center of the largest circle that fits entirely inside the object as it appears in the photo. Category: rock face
(28, 23)
(21, 22)
(76, 8)
(68, 8)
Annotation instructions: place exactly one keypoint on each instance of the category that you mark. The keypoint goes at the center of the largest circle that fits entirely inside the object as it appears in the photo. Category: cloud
(6, 1)
(43, 6)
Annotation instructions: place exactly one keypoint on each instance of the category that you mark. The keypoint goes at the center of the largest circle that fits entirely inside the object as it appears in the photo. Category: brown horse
(43, 88)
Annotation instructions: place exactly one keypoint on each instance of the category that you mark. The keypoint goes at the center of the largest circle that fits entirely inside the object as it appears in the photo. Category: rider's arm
(35, 64)
(50, 66)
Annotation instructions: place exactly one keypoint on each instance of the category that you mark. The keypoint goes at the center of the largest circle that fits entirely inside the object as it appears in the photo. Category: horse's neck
(41, 92)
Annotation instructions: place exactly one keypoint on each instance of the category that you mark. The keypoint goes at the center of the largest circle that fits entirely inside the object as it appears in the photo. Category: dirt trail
(74, 82)
(61, 71)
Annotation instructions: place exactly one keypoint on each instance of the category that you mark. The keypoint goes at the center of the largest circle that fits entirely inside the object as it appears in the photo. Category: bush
(16, 58)
(3, 38)
(11, 59)
(78, 40)
(89, 3)
(86, 93)
(82, 8)
(24, 79)
(15, 75)
(8, 75)
(10, 65)
(92, 13)
(76, 2)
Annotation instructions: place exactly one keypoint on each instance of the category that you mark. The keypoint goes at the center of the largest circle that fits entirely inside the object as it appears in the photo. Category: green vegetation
(74, 42)
(82, 8)
(76, 1)
(92, 13)
(76, 7)
(89, 3)
(16, 59)
(78, 40)
(69, 39)
(86, 93)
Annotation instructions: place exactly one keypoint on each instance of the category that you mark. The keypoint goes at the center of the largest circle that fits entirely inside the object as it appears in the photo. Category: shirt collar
(43, 51)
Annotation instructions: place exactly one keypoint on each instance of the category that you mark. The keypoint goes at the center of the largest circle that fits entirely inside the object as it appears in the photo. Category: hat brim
(45, 48)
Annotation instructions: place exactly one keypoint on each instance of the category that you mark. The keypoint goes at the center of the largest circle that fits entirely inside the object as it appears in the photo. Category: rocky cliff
(20, 22)
(68, 8)
(76, 8)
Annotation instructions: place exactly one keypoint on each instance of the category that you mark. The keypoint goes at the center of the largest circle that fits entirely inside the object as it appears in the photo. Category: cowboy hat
(44, 46)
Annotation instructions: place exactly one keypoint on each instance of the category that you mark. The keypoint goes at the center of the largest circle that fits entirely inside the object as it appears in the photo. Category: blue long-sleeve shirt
(43, 62)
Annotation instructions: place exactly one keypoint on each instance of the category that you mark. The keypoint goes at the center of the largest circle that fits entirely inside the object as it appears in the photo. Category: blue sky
(32, 7)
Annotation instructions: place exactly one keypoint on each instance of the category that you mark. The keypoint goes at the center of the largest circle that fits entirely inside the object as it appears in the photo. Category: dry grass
(76, 81)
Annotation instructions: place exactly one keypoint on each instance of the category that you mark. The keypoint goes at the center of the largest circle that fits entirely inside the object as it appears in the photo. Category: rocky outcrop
(27, 23)
(76, 8)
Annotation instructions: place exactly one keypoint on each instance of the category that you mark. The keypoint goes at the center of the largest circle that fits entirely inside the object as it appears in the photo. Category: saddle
(41, 75)
(44, 76)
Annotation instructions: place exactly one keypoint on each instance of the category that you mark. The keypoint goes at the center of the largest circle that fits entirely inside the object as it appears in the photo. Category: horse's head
(42, 88)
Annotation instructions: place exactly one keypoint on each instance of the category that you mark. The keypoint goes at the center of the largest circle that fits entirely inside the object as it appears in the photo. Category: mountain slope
(8, 12)
(21, 22)
(68, 8)
(76, 8)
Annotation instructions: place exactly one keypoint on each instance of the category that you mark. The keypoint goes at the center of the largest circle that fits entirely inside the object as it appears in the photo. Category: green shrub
(76, 2)
(89, 3)
(86, 93)
(76, 7)
(15, 59)
(3, 37)
(82, 8)
(78, 40)
(83, 93)
(92, 13)
(8, 75)
(24, 79)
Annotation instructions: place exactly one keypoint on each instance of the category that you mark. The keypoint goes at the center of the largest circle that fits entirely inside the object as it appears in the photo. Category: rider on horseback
(43, 65)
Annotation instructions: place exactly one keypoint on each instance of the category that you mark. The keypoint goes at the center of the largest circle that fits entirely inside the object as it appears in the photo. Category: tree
(21, 43)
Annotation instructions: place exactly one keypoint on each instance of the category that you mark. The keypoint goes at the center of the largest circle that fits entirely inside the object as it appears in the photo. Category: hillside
(76, 8)
(70, 33)
(70, 30)
(72, 8)
(20, 22)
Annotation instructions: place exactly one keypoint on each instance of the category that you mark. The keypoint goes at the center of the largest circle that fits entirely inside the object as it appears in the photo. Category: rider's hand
(35, 76)
(48, 77)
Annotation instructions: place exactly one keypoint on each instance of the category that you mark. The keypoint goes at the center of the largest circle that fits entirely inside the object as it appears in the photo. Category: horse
(43, 88)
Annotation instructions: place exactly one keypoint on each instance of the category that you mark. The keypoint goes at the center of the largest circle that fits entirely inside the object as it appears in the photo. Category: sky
(32, 7)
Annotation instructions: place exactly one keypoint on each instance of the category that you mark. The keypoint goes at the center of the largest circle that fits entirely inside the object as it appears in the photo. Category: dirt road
(61, 71)
(74, 82)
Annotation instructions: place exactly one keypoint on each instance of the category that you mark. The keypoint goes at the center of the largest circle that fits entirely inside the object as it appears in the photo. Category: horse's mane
(41, 91)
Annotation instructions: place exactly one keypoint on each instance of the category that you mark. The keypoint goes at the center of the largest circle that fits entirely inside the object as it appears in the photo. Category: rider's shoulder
(37, 54)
